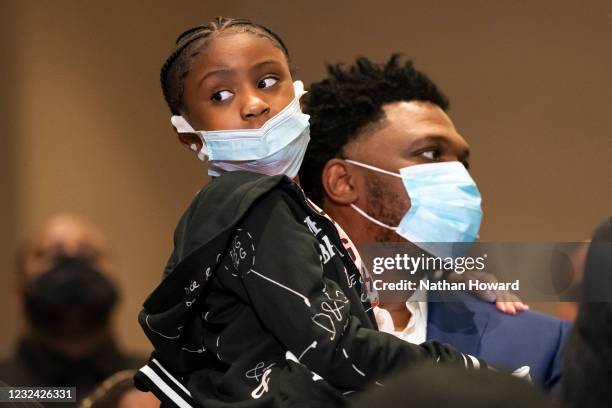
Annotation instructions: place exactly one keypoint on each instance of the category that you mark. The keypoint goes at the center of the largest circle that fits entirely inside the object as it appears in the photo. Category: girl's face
(239, 81)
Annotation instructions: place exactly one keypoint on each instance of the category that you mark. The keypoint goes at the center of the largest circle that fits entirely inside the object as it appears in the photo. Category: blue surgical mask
(278, 147)
(445, 207)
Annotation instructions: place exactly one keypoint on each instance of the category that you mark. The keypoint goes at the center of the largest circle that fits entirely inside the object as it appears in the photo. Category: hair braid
(178, 64)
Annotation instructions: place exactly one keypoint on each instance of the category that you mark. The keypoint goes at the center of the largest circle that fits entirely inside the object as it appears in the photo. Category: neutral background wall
(83, 126)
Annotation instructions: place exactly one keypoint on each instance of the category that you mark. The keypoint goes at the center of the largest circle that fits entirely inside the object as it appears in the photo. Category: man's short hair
(350, 100)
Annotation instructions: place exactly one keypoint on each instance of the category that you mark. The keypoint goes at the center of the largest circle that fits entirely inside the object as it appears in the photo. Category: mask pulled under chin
(445, 212)
(278, 147)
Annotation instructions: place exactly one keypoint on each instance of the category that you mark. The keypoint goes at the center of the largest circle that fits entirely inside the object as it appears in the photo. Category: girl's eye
(431, 154)
(221, 96)
(267, 82)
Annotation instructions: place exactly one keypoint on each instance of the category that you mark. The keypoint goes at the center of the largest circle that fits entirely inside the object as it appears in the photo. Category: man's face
(62, 234)
(412, 133)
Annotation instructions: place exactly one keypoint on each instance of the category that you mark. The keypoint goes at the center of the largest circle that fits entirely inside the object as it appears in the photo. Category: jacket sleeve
(281, 265)
(555, 372)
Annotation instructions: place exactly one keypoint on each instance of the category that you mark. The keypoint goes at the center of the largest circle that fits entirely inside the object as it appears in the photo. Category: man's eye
(267, 82)
(431, 154)
(221, 96)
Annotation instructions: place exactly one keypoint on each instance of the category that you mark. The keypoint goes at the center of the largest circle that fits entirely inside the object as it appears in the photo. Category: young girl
(260, 304)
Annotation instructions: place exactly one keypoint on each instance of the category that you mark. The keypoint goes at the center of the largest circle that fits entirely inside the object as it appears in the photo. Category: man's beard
(386, 205)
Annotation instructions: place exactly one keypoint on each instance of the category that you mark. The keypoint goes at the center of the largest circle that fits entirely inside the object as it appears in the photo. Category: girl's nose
(254, 108)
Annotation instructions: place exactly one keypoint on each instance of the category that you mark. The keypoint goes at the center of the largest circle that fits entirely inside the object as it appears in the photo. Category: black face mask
(73, 299)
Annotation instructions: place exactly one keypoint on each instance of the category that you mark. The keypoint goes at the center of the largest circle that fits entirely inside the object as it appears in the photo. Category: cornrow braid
(190, 43)
(350, 99)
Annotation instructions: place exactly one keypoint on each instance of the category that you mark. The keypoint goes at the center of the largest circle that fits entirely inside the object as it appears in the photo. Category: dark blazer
(476, 327)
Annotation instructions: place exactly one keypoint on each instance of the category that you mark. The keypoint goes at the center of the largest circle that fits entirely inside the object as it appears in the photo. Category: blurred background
(84, 128)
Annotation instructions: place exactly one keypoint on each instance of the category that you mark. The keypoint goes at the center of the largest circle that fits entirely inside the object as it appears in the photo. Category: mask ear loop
(203, 151)
(359, 210)
(182, 126)
(367, 166)
(374, 220)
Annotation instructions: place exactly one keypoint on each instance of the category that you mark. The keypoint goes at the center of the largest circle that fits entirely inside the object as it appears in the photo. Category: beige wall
(84, 127)
(8, 162)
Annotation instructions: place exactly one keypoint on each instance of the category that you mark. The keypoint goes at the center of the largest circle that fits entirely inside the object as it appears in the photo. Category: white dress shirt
(416, 330)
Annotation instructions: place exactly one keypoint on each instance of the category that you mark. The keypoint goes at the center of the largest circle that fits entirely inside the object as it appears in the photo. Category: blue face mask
(278, 147)
(445, 207)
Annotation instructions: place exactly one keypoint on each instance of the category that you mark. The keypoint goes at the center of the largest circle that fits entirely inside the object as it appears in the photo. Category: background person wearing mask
(368, 124)
(568, 310)
(68, 302)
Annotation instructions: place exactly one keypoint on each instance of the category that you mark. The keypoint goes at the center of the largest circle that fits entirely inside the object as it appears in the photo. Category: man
(68, 304)
(369, 121)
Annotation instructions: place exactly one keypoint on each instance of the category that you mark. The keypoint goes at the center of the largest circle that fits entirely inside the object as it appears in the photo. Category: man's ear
(338, 182)
(188, 139)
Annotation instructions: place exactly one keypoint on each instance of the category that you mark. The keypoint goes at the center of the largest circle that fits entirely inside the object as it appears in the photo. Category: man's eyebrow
(463, 155)
(430, 139)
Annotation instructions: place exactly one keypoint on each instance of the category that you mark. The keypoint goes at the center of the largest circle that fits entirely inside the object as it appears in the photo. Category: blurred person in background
(18, 404)
(568, 310)
(68, 302)
(118, 391)
(588, 359)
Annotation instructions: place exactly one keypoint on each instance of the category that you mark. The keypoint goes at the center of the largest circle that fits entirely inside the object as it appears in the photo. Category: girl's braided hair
(191, 42)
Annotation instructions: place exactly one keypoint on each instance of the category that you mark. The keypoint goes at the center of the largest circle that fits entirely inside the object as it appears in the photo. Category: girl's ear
(189, 139)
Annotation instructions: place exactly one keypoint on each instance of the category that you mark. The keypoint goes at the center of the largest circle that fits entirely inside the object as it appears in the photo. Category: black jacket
(261, 304)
